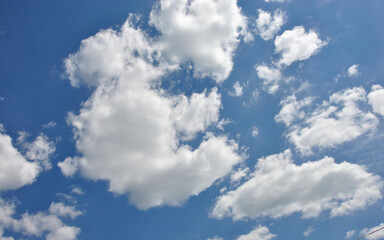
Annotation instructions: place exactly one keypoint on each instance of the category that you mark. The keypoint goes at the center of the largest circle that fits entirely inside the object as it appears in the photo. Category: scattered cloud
(292, 110)
(376, 99)
(205, 33)
(50, 124)
(270, 76)
(77, 190)
(255, 131)
(353, 71)
(259, 233)
(236, 176)
(237, 90)
(61, 210)
(297, 45)
(15, 170)
(69, 166)
(269, 25)
(350, 234)
(332, 123)
(308, 231)
(138, 150)
(278, 188)
(47, 225)
(39, 151)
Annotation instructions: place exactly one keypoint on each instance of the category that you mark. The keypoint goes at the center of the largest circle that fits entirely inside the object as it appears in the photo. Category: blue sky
(199, 119)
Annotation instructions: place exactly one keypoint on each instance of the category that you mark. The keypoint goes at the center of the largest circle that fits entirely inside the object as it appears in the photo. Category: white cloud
(374, 236)
(270, 76)
(297, 45)
(204, 32)
(15, 170)
(350, 234)
(269, 25)
(50, 124)
(237, 90)
(255, 131)
(376, 99)
(353, 71)
(69, 166)
(334, 122)
(77, 190)
(128, 131)
(239, 174)
(292, 110)
(278, 188)
(61, 210)
(259, 233)
(41, 224)
(308, 231)
(195, 114)
(40, 150)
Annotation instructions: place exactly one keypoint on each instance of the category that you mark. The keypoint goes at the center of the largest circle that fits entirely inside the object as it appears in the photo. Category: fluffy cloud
(195, 114)
(15, 170)
(40, 150)
(353, 71)
(350, 234)
(41, 224)
(376, 99)
(269, 25)
(375, 236)
(297, 45)
(270, 76)
(237, 90)
(128, 132)
(333, 122)
(292, 109)
(259, 233)
(278, 187)
(62, 210)
(204, 32)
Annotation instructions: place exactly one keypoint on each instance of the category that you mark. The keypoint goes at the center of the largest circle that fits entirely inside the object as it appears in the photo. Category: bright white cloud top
(332, 123)
(128, 131)
(205, 33)
(278, 187)
(269, 25)
(297, 45)
(191, 119)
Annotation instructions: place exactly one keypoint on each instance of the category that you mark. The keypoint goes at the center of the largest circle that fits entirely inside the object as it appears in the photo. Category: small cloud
(77, 190)
(353, 71)
(2, 99)
(255, 131)
(308, 231)
(222, 123)
(237, 90)
(350, 234)
(51, 124)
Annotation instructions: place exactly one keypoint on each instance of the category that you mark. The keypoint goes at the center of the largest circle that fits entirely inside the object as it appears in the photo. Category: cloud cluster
(16, 169)
(269, 25)
(278, 188)
(334, 122)
(204, 32)
(42, 224)
(128, 132)
(293, 45)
